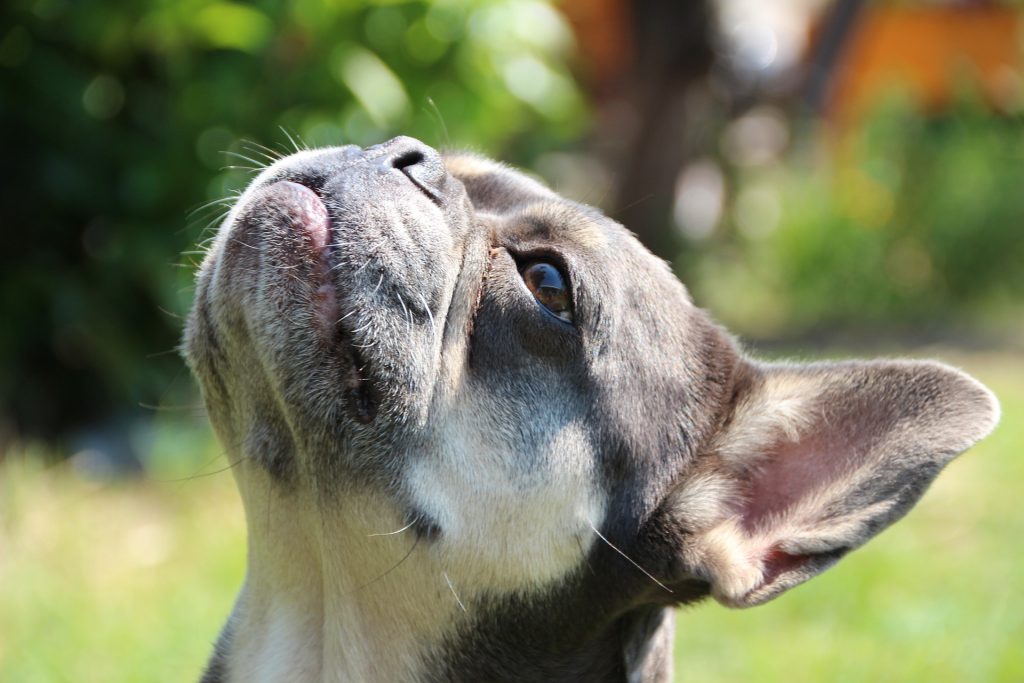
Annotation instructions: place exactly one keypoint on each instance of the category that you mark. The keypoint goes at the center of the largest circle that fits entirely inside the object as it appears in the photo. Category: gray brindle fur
(445, 482)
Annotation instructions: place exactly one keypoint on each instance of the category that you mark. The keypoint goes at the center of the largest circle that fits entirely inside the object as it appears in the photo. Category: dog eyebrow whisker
(628, 558)
(452, 589)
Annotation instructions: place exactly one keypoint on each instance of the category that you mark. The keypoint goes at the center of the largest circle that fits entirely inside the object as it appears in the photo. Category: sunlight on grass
(124, 581)
(130, 581)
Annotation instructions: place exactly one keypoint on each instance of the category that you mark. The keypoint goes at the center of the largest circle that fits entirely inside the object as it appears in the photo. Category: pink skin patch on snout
(306, 208)
(309, 214)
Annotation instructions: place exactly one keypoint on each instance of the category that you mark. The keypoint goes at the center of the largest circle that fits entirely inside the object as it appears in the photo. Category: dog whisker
(452, 589)
(270, 503)
(210, 204)
(393, 533)
(239, 167)
(238, 241)
(350, 313)
(408, 317)
(295, 145)
(439, 117)
(200, 474)
(264, 151)
(214, 221)
(393, 568)
(259, 165)
(628, 558)
(430, 316)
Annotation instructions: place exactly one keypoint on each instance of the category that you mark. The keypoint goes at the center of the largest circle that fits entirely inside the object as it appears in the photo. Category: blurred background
(828, 177)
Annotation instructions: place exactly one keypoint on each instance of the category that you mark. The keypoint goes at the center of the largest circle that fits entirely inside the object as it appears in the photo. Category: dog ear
(813, 461)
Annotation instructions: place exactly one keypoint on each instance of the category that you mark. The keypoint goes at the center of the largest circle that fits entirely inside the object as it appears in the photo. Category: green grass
(131, 581)
(114, 582)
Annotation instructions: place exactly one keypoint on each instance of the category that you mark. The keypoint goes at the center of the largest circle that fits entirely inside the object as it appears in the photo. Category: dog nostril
(421, 165)
(407, 159)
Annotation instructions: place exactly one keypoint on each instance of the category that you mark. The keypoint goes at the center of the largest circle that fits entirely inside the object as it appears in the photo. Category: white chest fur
(336, 592)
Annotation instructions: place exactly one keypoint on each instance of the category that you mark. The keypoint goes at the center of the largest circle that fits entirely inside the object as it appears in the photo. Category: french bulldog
(481, 434)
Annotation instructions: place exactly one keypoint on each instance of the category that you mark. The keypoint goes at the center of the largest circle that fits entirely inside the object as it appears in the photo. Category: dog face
(399, 346)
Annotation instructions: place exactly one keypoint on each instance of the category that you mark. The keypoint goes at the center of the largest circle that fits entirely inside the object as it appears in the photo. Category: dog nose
(420, 163)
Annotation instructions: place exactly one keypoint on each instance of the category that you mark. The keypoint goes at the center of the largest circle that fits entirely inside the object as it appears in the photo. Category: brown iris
(549, 288)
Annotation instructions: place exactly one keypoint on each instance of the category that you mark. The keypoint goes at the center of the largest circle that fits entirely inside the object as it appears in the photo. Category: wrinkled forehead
(529, 210)
(614, 278)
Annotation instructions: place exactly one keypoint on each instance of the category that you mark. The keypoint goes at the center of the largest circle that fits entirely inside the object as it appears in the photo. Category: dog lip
(308, 216)
(308, 213)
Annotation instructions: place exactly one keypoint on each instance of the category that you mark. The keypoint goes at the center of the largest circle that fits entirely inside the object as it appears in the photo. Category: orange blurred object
(925, 50)
(603, 30)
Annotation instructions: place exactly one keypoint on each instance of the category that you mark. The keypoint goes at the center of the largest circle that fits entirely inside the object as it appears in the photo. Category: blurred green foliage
(117, 112)
(909, 219)
(120, 117)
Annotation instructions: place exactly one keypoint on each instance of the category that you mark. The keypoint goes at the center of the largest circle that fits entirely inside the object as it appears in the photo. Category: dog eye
(549, 288)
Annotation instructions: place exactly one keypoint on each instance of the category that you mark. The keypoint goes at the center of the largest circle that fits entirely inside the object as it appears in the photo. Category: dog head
(392, 340)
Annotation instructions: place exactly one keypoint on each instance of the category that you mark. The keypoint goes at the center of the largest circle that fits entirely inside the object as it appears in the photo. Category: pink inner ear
(792, 471)
(777, 562)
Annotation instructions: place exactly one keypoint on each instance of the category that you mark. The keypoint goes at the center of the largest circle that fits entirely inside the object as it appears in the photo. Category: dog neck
(342, 593)
(327, 596)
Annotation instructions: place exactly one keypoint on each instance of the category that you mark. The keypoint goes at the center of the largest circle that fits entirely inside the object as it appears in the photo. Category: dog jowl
(481, 434)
